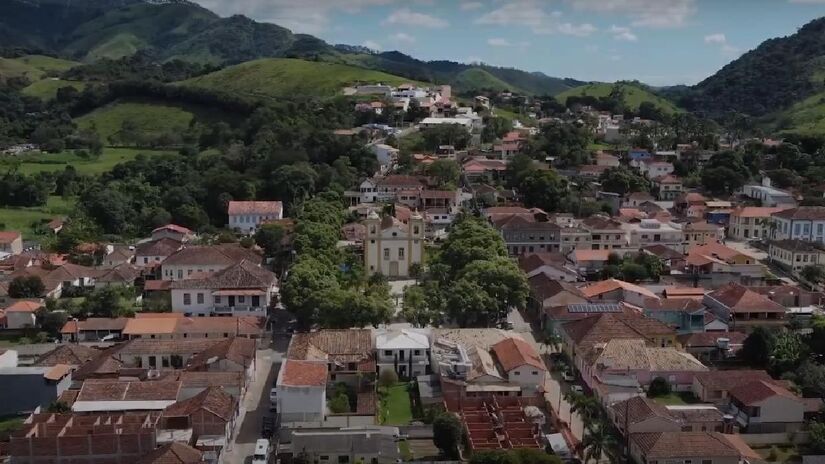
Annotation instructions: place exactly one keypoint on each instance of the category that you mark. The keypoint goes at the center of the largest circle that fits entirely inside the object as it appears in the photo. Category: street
(255, 404)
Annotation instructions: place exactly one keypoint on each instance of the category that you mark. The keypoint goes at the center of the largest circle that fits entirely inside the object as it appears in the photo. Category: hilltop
(275, 77)
(633, 95)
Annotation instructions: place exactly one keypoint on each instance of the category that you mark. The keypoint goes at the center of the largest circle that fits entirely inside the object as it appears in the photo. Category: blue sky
(660, 42)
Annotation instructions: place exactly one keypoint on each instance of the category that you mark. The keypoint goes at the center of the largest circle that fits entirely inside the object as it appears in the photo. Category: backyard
(676, 399)
(396, 407)
(24, 219)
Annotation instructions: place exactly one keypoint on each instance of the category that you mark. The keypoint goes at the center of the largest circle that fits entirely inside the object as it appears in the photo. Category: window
(153, 362)
(187, 299)
(387, 352)
(707, 461)
(400, 253)
(256, 300)
(535, 372)
(164, 361)
(146, 260)
(417, 352)
(344, 459)
(386, 253)
(686, 428)
(217, 300)
(189, 272)
(241, 299)
(516, 373)
(180, 273)
(200, 298)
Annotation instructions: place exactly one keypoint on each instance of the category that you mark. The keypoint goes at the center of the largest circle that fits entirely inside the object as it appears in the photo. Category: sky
(659, 42)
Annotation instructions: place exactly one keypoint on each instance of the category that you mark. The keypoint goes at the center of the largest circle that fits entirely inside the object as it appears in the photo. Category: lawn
(396, 408)
(676, 399)
(46, 89)
(404, 448)
(33, 67)
(783, 454)
(23, 219)
(32, 164)
(10, 423)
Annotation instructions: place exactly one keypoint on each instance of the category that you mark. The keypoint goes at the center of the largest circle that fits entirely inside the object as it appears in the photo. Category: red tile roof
(173, 228)
(756, 212)
(172, 453)
(740, 299)
(8, 236)
(758, 391)
(24, 306)
(515, 352)
(303, 373)
(727, 380)
(255, 207)
(806, 213)
(678, 445)
(610, 285)
(212, 399)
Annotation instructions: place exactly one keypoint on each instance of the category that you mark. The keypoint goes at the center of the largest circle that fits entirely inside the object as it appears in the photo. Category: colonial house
(173, 231)
(714, 386)
(247, 216)
(243, 288)
(93, 329)
(667, 187)
(713, 346)
(589, 262)
(715, 258)
(649, 232)
(742, 306)
(22, 314)
(701, 233)
(803, 223)
(211, 413)
(406, 351)
(483, 169)
(548, 293)
(645, 415)
(553, 265)
(202, 259)
(751, 222)
(525, 233)
(521, 363)
(391, 247)
(154, 252)
(769, 196)
(605, 233)
(349, 355)
(794, 254)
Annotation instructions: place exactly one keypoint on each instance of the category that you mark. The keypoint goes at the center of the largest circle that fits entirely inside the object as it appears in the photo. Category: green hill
(805, 118)
(633, 95)
(152, 118)
(274, 77)
(46, 89)
(33, 67)
(477, 79)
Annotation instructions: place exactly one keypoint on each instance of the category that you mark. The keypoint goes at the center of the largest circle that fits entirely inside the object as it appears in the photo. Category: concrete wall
(24, 392)
(302, 404)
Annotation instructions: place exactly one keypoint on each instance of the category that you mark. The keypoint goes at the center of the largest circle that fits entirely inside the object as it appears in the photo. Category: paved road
(255, 405)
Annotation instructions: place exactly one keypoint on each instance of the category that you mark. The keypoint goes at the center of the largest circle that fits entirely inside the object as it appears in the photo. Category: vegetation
(658, 387)
(517, 456)
(396, 408)
(630, 94)
(447, 434)
(26, 287)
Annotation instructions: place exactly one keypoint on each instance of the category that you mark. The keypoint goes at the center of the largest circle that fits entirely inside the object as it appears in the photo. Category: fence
(757, 439)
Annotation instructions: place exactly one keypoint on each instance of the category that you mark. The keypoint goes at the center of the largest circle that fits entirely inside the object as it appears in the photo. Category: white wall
(779, 409)
(182, 271)
(302, 404)
(527, 376)
(19, 319)
(194, 307)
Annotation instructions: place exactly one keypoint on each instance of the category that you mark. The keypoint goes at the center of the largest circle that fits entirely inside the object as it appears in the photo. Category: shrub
(658, 387)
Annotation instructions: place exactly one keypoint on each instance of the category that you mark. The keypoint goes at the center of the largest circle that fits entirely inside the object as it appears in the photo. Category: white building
(768, 195)
(390, 246)
(247, 216)
(244, 288)
(653, 232)
(522, 364)
(405, 351)
(301, 391)
(465, 122)
(387, 156)
(193, 260)
(802, 223)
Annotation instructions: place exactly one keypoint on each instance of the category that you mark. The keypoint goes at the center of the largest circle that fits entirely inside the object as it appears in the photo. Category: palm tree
(588, 407)
(598, 441)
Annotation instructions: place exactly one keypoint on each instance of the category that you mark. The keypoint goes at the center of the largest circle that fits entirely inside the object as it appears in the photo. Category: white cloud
(372, 45)
(643, 13)
(406, 17)
(469, 6)
(499, 42)
(530, 14)
(402, 37)
(623, 34)
(306, 16)
(717, 38)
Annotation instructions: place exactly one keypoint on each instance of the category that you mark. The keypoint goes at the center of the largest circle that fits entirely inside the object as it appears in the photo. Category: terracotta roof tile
(610, 285)
(514, 352)
(220, 255)
(740, 299)
(345, 346)
(172, 453)
(672, 445)
(8, 236)
(298, 373)
(241, 275)
(807, 213)
(213, 399)
(69, 353)
(756, 212)
(727, 380)
(24, 306)
(238, 350)
(759, 390)
(255, 207)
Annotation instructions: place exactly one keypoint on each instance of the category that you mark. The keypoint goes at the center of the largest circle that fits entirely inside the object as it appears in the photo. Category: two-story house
(301, 391)
(650, 232)
(796, 254)
(247, 216)
(154, 252)
(701, 233)
(686, 315)
(243, 288)
(406, 351)
(803, 223)
(751, 222)
(605, 233)
(766, 407)
(668, 187)
(744, 307)
(391, 247)
(203, 259)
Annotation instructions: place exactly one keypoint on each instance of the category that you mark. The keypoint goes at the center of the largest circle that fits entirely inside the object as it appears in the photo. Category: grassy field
(396, 408)
(31, 164)
(475, 79)
(634, 96)
(275, 77)
(46, 89)
(806, 117)
(33, 67)
(152, 118)
(23, 219)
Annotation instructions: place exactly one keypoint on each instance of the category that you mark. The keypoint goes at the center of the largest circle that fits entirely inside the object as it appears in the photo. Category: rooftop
(806, 213)
(297, 373)
(255, 207)
(673, 445)
(740, 299)
(515, 352)
(610, 285)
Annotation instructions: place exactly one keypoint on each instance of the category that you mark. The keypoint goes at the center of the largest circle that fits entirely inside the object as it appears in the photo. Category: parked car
(273, 399)
(576, 388)
(261, 455)
(567, 376)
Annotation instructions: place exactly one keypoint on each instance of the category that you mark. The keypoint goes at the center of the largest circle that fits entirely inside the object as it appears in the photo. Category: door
(231, 300)
(393, 268)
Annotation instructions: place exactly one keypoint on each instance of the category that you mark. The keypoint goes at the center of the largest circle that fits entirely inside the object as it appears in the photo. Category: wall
(170, 271)
(779, 409)
(29, 391)
(303, 404)
(20, 319)
(754, 439)
(527, 376)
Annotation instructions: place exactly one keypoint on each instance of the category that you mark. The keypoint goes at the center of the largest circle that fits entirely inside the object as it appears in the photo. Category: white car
(568, 376)
(261, 455)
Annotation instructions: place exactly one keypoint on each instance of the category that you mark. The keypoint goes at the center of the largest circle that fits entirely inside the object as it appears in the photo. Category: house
(11, 243)
(555, 316)
(751, 222)
(89, 438)
(32, 387)
(526, 233)
(685, 447)
(644, 415)
(553, 265)
(521, 363)
(205, 259)
(634, 199)
(715, 258)
(123, 275)
(247, 216)
(378, 445)
(668, 187)
(606, 159)
(173, 453)
(701, 233)
(22, 313)
(616, 291)
(573, 238)
(714, 386)
(637, 154)
(605, 233)
(713, 346)
(650, 232)
(740, 305)
(210, 413)
(118, 256)
(696, 293)
(349, 354)
(588, 262)
(547, 293)
(70, 354)
(483, 169)
(107, 396)
(391, 247)
(154, 252)
(803, 223)
(386, 155)
(93, 329)
(762, 406)
(243, 288)
(687, 200)
(406, 351)
(686, 315)
(174, 232)
(794, 254)
(620, 368)
(653, 169)
(769, 196)
(301, 391)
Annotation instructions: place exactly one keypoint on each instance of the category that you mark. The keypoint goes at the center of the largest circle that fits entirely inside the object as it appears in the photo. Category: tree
(470, 305)
(446, 134)
(445, 172)
(788, 351)
(447, 433)
(270, 238)
(104, 302)
(542, 189)
(588, 407)
(307, 281)
(51, 321)
(470, 239)
(26, 287)
(339, 404)
(598, 441)
(810, 377)
(633, 272)
(502, 280)
(388, 378)
(58, 407)
(658, 387)
(415, 309)
(814, 273)
(622, 180)
(816, 437)
(757, 347)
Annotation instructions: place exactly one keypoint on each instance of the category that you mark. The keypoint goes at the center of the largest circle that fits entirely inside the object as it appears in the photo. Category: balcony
(252, 310)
